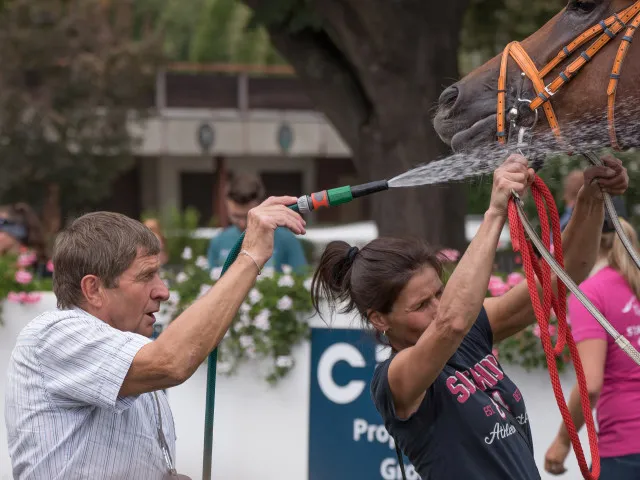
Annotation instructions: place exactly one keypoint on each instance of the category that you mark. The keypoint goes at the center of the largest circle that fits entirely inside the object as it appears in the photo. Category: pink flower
(497, 286)
(514, 279)
(450, 254)
(26, 259)
(32, 297)
(552, 330)
(49, 266)
(23, 277)
(518, 260)
(498, 290)
(13, 297)
(24, 297)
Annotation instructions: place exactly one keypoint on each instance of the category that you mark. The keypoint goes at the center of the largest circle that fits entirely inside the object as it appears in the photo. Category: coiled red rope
(533, 269)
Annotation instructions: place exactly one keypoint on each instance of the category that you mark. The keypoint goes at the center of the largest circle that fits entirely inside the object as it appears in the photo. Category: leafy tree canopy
(73, 82)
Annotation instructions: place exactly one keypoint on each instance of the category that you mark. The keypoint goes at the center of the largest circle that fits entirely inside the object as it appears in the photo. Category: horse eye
(582, 7)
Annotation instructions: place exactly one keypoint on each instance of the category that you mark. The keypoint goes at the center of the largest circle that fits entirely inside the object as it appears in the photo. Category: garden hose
(304, 204)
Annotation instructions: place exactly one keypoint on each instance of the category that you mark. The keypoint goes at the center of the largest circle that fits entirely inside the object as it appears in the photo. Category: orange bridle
(608, 29)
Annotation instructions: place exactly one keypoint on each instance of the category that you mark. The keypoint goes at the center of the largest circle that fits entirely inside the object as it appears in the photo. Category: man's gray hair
(103, 244)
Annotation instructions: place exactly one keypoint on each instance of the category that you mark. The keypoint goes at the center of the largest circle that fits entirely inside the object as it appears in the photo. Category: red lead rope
(533, 269)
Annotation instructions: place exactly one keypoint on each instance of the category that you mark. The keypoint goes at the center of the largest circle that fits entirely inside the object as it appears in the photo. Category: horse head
(467, 115)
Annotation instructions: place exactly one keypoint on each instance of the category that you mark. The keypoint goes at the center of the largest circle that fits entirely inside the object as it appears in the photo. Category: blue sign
(347, 438)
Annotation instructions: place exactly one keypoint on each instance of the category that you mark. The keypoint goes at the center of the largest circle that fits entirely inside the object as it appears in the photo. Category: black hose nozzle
(369, 188)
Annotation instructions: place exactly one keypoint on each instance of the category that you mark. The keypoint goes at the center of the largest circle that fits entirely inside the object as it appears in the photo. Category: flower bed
(18, 282)
(271, 322)
(273, 319)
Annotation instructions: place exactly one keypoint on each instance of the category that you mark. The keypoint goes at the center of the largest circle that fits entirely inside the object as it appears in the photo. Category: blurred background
(147, 107)
(156, 108)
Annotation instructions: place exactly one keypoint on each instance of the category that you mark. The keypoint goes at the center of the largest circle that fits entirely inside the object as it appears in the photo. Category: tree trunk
(376, 70)
(51, 213)
(434, 213)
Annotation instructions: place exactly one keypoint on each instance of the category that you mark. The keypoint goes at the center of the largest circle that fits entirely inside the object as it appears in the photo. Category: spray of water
(588, 134)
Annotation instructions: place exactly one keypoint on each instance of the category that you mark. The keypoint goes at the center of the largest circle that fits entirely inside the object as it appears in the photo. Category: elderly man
(84, 397)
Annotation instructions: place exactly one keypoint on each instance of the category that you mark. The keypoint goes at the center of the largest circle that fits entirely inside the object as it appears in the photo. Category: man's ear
(378, 320)
(92, 290)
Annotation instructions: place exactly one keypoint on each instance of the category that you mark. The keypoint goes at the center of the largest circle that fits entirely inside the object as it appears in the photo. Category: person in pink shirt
(613, 379)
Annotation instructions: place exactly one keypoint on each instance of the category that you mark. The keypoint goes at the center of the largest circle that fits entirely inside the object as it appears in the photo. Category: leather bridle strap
(515, 50)
(608, 29)
(615, 77)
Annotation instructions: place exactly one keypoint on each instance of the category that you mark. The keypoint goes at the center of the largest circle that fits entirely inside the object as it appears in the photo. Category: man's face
(238, 213)
(131, 305)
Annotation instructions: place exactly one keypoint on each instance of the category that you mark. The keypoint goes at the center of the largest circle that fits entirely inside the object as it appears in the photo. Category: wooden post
(219, 190)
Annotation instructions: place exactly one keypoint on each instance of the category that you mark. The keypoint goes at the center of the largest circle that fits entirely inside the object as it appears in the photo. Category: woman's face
(415, 308)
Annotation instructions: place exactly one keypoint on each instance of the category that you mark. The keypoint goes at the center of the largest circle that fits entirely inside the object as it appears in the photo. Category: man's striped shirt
(63, 415)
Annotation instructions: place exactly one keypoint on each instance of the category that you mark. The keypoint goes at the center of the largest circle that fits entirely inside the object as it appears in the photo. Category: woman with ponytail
(443, 396)
(613, 379)
(21, 229)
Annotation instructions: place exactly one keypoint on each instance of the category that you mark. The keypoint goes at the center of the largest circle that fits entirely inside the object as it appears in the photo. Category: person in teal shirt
(244, 193)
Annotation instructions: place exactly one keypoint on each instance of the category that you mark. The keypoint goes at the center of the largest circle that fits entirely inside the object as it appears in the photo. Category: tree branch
(331, 82)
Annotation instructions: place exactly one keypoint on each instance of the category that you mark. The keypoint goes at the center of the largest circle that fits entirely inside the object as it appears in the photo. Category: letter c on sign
(332, 355)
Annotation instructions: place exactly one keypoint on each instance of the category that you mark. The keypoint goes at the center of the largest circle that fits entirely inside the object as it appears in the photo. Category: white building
(209, 121)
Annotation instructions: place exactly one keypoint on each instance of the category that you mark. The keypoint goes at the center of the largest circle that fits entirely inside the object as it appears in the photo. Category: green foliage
(178, 229)
(553, 173)
(209, 31)
(271, 321)
(17, 280)
(73, 84)
(175, 20)
(525, 349)
(216, 32)
(294, 15)
(490, 24)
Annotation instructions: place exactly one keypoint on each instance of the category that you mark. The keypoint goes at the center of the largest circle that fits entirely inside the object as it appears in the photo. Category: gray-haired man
(84, 396)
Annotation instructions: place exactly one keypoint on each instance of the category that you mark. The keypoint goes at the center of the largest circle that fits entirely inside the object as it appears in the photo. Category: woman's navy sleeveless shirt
(464, 426)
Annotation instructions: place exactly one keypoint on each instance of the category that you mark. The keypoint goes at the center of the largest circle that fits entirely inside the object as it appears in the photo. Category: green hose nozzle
(338, 196)
(305, 204)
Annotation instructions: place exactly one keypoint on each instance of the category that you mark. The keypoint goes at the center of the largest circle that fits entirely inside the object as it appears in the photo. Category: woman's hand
(556, 456)
(611, 177)
(513, 175)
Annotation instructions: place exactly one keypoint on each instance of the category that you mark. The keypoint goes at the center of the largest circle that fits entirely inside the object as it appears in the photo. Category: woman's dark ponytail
(332, 277)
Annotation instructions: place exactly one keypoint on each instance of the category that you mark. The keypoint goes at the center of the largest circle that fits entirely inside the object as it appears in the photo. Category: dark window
(282, 183)
(125, 194)
(196, 190)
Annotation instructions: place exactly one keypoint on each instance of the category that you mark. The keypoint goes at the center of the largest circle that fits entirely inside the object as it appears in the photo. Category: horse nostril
(448, 97)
